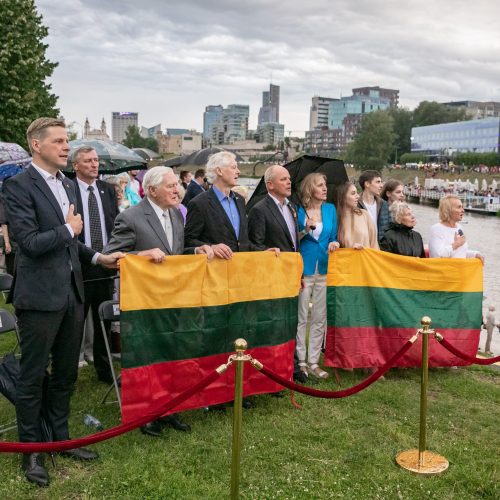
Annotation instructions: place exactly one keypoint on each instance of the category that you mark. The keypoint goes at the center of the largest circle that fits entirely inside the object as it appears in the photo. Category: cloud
(168, 60)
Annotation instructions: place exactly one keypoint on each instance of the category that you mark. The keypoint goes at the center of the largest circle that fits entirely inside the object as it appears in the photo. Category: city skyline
(168, 61)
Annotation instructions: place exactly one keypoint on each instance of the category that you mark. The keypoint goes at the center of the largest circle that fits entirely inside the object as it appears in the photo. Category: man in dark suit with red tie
(48, 290)
(97, 203)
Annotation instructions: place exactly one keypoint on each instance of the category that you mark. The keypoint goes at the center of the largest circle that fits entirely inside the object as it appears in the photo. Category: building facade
(92, 134)
(478, 136)
(179, 141)
(148, 132)
(318, 114)
(120, 122)
(390, 94)
(210, 117)
(477, 109)
(271, 133)
(231, 125)
(270, 109)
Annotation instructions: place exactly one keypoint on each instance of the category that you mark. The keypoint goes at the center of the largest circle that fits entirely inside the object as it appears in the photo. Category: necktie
(94, 222)
(167, 226)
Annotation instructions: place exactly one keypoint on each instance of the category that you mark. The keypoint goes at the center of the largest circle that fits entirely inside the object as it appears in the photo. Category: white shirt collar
(46, 175)
(158, 210)
(84, 186)
(278, 202)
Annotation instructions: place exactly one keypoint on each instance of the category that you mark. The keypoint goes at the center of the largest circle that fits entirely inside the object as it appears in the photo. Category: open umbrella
(113, 157)
(334, 171)
(12, 153)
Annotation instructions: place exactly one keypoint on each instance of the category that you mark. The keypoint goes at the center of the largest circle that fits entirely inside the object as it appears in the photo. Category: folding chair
(109, 310)
(5, 284)
(9, 364)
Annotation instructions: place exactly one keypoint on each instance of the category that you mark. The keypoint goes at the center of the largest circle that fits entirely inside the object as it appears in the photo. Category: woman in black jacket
(400, 238)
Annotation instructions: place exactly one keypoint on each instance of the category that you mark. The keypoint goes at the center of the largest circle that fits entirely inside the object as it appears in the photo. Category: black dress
(402, 240)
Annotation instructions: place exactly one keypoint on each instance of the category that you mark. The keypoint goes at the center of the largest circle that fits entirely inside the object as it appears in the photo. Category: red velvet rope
(336, 394)
(466, 357)
(13, 447)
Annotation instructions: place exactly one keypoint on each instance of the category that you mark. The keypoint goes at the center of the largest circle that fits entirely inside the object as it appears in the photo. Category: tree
(374, 142)
(133, 139)
(433, 113)
(25, 95)
(403, 119)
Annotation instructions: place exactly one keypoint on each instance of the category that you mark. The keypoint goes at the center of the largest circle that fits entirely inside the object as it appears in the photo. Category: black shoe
(247, 404)
(216, 408)
(152, 429)
(300, 377)
(175, 422)
(34, 469)
(79, 454)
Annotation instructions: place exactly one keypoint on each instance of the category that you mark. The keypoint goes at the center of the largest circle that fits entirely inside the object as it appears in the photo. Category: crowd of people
(68, 233)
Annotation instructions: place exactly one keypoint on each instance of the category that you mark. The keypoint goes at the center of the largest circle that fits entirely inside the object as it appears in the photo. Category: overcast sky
(167, 60)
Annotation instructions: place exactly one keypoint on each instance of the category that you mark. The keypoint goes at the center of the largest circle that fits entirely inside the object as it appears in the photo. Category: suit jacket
(267, 227)
(193, 190)
(109, 202)
(208, 224)
(138, 228)
(47, 256)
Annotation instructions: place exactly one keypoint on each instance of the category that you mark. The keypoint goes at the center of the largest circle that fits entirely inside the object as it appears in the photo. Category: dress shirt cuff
(94, 258)
(71, 232)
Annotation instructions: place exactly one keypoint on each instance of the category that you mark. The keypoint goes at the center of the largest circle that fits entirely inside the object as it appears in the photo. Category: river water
(483, 234)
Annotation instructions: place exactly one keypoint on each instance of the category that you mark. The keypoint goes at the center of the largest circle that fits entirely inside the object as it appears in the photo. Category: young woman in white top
(447, 238)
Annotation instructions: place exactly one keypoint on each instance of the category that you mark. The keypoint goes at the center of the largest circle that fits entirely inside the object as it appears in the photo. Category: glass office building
(473, 136)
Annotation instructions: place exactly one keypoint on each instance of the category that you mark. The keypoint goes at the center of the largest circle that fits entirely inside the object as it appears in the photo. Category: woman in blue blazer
(318, 232)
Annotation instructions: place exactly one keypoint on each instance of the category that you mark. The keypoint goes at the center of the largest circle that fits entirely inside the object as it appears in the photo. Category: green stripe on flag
(390, 307)
(158, 335)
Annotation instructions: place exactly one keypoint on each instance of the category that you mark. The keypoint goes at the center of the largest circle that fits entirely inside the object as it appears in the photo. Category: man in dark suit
(48, 290)
(98, 205)
(217, 217)
(272, 222)
(155, 228)
(195, 187)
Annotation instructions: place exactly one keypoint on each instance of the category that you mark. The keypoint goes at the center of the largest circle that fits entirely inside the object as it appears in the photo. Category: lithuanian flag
(179, 320)
(375, 301)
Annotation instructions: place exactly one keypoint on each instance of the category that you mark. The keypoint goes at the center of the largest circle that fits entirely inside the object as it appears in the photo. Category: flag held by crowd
(375, 301)
(179, 320)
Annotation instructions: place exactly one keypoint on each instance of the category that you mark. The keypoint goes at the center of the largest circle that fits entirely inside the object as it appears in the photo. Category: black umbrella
(334, 171)
(113, 157)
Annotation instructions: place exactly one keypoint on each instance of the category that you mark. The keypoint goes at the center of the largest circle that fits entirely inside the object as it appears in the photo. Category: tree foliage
(473, 159)
(24, 69)
(403, 121)
(374, 142)
(133, 139)
(434, 113)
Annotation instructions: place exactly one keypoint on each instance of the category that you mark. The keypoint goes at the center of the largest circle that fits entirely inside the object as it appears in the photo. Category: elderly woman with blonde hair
(447, 238)
(400, 238)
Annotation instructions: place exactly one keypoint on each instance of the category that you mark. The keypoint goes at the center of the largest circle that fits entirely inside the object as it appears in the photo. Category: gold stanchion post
(422, 461)
(240, 345)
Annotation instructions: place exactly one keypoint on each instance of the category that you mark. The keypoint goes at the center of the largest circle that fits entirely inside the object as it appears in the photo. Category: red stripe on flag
(147, 387)
(348, 347)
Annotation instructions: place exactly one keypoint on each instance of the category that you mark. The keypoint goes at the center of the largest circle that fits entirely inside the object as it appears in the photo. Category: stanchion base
(432, 462)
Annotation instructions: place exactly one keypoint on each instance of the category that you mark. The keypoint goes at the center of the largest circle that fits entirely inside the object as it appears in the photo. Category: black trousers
(97, 292)
(44, 334)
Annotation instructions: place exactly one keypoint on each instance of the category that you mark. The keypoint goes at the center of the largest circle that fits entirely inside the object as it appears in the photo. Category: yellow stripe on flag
(191, 281)
(374, 268)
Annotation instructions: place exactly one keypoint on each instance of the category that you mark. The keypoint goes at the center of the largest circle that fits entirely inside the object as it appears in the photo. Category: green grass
(330, 449)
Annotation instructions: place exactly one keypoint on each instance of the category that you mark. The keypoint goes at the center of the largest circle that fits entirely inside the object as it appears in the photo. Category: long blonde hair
(342, 210)
(307, 186)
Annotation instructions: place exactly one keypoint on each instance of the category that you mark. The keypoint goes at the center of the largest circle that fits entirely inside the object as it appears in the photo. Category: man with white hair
(155, 228)
(217, 217)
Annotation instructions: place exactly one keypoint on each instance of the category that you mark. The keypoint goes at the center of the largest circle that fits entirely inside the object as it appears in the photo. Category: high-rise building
(391, 94)
(120, 122)
(318, 115)
(231, 125)
(344, 118)
(271, 133)
(270, 110)
(210, 116)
